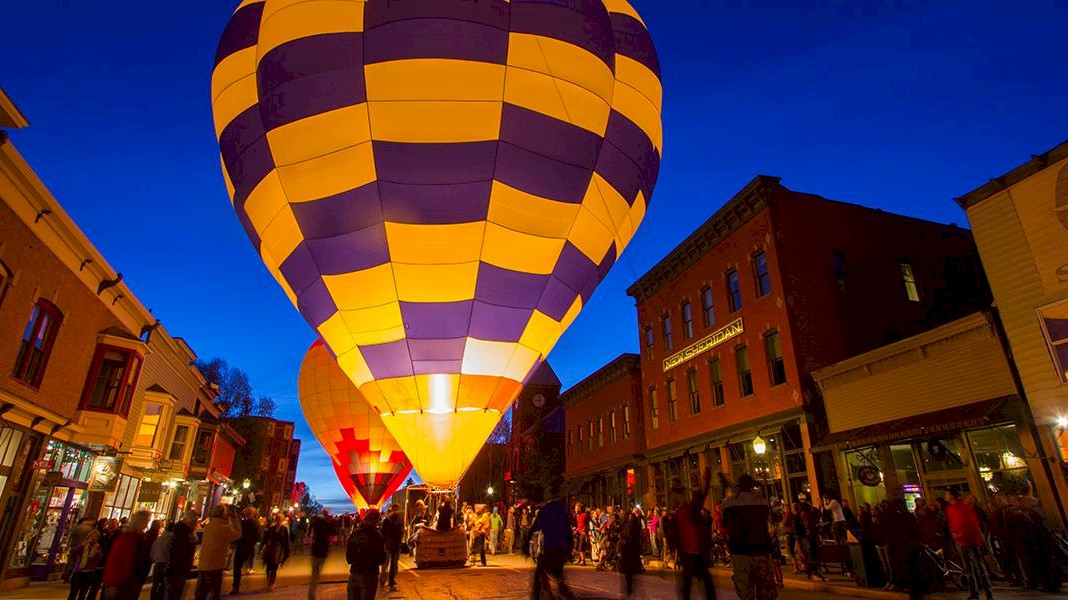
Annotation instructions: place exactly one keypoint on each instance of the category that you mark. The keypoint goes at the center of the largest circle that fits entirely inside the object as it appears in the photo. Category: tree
(503, 431)
(235, 390)
(264, 407)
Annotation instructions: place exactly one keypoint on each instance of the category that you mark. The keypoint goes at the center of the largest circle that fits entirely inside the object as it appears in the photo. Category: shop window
(120, 504)
(763, 277)
(649, 343)
(695, 396)
(999, 457)
(912, 291)
(612, 426)
(37, 341)
(626, 422)
(715, 372)
(672, 401)
(840, 270)
(149, 428)
(862, 464)
(739, 455)
(745, 375)
(687, 320)
(734, 291)
(600, 432)
(665, 329)
(5, 282)
(1055, 323)
(10, 442)
(708, 312)
(654, 412)
(773, 352)
(941, 455)
(181, 437)
(112, 380)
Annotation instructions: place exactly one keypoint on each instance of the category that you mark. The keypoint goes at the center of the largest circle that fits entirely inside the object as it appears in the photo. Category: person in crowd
(322, 529)
(74, 539)
(692, 540)
(366, 553)
(275, 549)
(525, 520)
(903, 547)
(630, 551)
(581, 525)
(788, 529)
(653, 523)
(810, 534)
(557, 542)
(966, 531)
(835, 513)
(746, 515)
(444, 519)
(245, 549)
(128, 560)
(160, 553)
(392, 535)
(221, 530)
(480, 526)
(85, 559)
(509, 530)
(496, 523)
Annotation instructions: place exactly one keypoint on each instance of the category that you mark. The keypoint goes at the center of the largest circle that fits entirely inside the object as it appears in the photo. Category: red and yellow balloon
(439, 186)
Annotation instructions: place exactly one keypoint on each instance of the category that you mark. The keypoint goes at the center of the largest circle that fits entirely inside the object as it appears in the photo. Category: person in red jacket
(967, 533)
(128, 560)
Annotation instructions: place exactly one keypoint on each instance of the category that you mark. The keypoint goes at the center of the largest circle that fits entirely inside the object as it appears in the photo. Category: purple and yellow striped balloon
(439, 186)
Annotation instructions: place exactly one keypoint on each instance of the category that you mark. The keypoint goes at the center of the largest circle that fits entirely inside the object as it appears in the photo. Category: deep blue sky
(903, 107)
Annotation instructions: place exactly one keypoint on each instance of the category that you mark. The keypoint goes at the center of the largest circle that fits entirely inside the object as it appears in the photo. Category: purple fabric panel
(316, 304)
(557, 299)
(499, 323)
(435, 367)
(350, 252)
(549, 137)
(533, 372)
(632, 40)
(619, 171)
(486, 12)
(632, 141)
(246, 224)
(336, 215)
(437, 350)
(246, 129)
(606, 263)
(243, 31)
(246, 153)
(1057, 328)
(436, 38)
(307, 56)
(504, 287)
(388, 360)
(299, 269)
(541, 176)
(576, 271)
(435, 204)
(433, 164)
(583, 24)
(436, 320)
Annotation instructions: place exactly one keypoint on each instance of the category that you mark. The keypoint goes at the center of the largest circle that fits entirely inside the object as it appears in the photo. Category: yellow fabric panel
(435, 122)
(265, 201)
(439, 455)
(622, 7)
(591, 236)
(328, 175)
(282, 235)
(518, 251)
(636, 107)
(541, 333)
(245, 3)
(354, 366)
(557, 98)
(610, 208)
(234, 100)
(434, 79)
(520, 211)
(282, 23)
(232, 69)
(362, 289)
(477, 390)
(436, 283)
(435, 244)
(483, 357)
(438, 392)
(319, 135)
(504, 394)
(369, 325)
(572, 313)
(272, 266)
(336, 330)
(226, 179)
(400, 392)
(520, 364)
(562, 60)
(638, 76)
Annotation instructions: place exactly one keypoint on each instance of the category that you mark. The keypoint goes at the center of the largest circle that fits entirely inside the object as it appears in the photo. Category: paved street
(506, 578)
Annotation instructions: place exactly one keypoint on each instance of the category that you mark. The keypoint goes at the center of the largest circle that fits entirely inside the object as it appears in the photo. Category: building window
(673, 400)
(716, 373)
(734, 291)
(600, 432)
(707, 311)
(626, 422)
(840, 270)
(146, 432)
(911, 290)
(112, 380)
(5, 280)
(654, 412)
(1055, 323)
(612, 427)
(763, 278)
(773, 351)
(665, 324)
(181, 437)
(37, 341)
(687, 320)
(578, 448)
(695, 396)
(589, 437)
(203, 447)
(745, 376)
(649, 343)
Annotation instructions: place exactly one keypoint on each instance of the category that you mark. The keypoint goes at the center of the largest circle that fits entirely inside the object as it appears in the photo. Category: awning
(958, 418)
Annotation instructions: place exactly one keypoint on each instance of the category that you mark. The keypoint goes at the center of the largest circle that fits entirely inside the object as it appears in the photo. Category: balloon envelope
(368, 461)
(438, 186)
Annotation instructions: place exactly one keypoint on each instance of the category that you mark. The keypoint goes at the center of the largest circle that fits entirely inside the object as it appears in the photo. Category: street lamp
(761, 448)
(245, 484)
(489, 491)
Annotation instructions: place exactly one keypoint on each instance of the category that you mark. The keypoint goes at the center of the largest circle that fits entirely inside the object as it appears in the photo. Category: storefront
(19, 448)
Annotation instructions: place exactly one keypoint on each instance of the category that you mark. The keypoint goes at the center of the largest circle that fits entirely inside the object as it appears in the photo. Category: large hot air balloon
(439, 186)
(368, 461)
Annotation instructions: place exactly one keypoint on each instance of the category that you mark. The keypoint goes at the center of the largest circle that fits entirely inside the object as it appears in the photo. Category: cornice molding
(623, 365)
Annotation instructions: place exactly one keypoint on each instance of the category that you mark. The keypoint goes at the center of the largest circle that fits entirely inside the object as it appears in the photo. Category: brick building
(775, 284)
(266, 461)
(605, 436)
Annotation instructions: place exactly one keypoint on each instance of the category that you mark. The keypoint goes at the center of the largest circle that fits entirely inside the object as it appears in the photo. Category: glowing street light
(489, 490)
(760, 446)
(245, 484)
(1062, 423)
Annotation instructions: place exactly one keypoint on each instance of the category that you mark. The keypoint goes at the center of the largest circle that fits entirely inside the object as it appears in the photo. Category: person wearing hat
(222, 530)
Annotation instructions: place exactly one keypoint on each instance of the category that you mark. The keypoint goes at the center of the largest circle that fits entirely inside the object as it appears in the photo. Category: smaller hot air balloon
(367, 460)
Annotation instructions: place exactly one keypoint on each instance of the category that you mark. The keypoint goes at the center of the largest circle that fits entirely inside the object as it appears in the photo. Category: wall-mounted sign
(869, 476)
(150, 492)
(44, 464)
(705, 344)
(105, 474)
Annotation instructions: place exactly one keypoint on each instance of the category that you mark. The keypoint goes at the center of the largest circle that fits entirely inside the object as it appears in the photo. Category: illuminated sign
(704, 344)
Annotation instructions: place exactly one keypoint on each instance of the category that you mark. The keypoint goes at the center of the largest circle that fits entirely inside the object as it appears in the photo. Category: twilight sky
(901, 105)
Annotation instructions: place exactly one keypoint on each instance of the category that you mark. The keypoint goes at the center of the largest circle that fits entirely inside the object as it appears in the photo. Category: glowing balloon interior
(439, 186)
(368, 461)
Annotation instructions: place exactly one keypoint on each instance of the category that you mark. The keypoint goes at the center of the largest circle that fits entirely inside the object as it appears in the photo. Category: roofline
(615, 369)
(10, 115)
(1029, 168)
